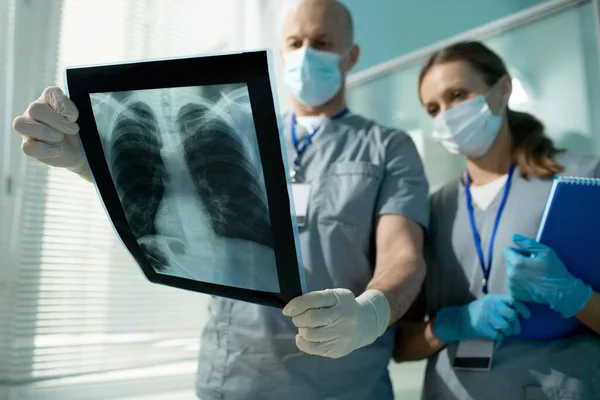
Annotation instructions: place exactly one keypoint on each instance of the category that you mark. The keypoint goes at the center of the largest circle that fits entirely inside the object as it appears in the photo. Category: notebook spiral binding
(577, 180)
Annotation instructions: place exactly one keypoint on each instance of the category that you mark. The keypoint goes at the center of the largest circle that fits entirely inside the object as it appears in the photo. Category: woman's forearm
(416, 341)
(590, 313)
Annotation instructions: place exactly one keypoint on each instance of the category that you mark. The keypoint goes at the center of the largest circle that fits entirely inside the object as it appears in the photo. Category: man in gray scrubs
(361, 233)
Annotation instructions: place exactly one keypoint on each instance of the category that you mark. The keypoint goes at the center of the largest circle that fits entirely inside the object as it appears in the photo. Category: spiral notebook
(571, 226)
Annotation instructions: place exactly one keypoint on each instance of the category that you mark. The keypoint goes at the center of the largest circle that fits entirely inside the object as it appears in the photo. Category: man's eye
(294, 44)
(321, 44)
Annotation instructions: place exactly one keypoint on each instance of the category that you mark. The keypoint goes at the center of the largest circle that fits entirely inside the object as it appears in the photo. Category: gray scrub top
(356, 170)
(567, 368)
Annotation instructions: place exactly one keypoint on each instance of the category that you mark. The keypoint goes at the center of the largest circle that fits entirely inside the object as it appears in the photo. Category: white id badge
(474, 355)
(301, 192)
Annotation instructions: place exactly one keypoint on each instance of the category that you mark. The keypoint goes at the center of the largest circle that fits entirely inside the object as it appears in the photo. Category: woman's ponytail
(534, 151)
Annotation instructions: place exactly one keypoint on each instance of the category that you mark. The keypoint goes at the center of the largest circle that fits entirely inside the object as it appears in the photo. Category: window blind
(6, 22)
(6, 311)
(81, 305)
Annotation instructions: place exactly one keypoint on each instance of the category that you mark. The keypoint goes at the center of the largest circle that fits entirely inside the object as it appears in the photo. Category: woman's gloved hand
(50, 132)
(535, 274)
(494, 316)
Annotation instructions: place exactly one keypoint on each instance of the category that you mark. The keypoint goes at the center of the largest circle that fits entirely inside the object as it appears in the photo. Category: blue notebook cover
(571, 226)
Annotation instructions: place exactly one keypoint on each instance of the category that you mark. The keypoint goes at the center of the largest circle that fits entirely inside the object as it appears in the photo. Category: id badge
(301, 192)
(474, 355)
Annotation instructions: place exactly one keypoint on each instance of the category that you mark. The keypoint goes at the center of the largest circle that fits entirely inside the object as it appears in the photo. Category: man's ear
(352, 58)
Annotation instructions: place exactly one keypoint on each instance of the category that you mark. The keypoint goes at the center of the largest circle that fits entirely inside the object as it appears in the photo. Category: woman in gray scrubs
(480, 274)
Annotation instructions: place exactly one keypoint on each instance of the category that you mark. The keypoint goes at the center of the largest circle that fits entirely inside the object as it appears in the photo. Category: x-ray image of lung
(185, 163)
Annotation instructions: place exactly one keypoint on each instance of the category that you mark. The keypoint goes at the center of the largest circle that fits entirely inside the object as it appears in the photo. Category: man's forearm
(416, 341)
(400, 282)
(590, 313)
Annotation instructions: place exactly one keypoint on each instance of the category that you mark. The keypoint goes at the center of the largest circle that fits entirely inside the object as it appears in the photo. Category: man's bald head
(324, 24)
(336, 10)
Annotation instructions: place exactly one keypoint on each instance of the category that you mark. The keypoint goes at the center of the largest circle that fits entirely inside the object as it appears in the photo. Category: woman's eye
(432, 110)
(459, 94)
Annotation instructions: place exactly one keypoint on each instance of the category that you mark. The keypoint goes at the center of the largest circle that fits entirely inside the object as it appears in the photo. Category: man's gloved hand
(50, 133)
(535, 274)
(333, 323)
(494, 316)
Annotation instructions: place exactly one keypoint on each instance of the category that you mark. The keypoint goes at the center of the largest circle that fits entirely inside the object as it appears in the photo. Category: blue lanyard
(486, 269)
(300, 147)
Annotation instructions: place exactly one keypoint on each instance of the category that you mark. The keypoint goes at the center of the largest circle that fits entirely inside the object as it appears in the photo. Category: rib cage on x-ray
(139, 169)
(224, 177)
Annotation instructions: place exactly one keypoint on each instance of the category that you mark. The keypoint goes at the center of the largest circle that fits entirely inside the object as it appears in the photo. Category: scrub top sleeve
(404, 190)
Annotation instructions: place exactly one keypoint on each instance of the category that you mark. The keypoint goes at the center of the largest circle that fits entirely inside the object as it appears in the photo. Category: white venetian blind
(5, 310)
(82, 305)
(6, 23)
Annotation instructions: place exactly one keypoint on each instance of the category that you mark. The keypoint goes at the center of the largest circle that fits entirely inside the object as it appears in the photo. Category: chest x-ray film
(188, 159)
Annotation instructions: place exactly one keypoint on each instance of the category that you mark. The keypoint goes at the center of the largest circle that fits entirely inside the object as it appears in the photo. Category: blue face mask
(313, 76)
(469, 128)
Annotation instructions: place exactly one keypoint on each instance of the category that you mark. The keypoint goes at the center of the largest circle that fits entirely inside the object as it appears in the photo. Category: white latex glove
(333, 323)
(50, 132)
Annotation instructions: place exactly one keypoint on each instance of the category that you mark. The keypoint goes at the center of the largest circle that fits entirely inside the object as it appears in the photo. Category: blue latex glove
(494, 316)
(535, 274)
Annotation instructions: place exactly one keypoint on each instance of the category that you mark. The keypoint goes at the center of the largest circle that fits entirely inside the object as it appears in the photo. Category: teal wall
(386, 29)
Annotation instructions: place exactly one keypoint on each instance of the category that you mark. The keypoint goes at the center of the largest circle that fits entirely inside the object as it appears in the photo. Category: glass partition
(554, 63)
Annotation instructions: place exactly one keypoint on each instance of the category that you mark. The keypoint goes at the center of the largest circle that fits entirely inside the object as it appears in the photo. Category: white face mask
(313, 76)
(469, 128)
